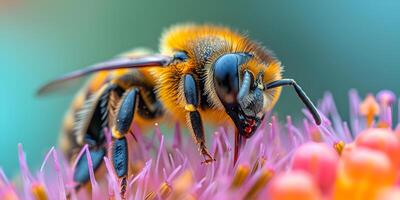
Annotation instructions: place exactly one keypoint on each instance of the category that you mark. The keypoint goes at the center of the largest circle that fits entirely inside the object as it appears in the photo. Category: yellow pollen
(369, 108)
(182, 185)
(136, 167)
(150, 196)
(339, 146)
(190, 108)
(38, 191)
(259, 184)
(165, 190)
(240, 176)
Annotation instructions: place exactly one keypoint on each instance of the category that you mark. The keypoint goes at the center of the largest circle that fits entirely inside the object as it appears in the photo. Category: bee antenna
(118, 63)
(300, 93)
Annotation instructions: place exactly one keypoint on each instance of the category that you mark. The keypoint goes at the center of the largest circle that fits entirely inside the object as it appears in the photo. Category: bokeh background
(325, 45)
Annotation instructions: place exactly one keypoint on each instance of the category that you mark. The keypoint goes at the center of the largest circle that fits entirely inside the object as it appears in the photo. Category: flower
(355, 159)
(294, 185)
(320, 161)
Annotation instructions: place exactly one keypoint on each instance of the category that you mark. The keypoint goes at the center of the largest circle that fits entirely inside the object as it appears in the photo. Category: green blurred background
(326, 45)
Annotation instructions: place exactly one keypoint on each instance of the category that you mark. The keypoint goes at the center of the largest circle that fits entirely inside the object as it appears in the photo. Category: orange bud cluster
(365, 169)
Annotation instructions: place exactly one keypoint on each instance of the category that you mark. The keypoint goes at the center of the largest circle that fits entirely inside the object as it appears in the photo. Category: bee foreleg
(193, 116)
(122, 124)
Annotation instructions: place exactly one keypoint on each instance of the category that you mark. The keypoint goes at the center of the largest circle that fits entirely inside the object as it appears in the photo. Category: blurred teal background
(326, 45)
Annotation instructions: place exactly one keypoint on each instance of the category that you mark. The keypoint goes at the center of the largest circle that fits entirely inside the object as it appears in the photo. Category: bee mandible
(203, 72)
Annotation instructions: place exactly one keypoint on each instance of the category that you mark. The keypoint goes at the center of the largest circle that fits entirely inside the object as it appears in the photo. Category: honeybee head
(240, 92)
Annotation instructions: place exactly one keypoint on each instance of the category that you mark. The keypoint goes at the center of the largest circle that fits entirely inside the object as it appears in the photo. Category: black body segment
(190, 90)
(197, 126)
(126, 111)
(226, 75)
(300, 92)
(120, 156)
(123, 122)
(81, 171)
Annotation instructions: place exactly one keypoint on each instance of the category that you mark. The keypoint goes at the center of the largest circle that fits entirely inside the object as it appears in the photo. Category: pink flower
(163, 167)
(320, 161)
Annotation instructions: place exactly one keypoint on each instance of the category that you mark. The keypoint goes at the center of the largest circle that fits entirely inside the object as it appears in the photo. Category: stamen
(369, 108)
(259, 184)
(240, 176)
(339, 146)
(165, 190)
(38, 191)
(150, 196)
(182, 185)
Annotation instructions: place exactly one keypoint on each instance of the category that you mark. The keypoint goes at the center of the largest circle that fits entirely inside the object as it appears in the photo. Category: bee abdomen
(88, 115)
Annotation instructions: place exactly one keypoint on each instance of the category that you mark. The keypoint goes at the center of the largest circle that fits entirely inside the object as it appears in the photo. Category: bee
(202, 73)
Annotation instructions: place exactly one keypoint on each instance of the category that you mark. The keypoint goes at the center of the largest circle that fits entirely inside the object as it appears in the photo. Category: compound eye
(226, 76)
(181, 56)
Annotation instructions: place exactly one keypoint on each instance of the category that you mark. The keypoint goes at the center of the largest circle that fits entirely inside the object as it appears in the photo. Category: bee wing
(117, 63)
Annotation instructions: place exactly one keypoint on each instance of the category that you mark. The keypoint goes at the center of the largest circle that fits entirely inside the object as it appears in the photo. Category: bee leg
(122, 124)
(81, 173)
(193, 116)
(90, 129)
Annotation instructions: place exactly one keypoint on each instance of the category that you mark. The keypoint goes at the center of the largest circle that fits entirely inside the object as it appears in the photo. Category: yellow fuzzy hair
(187, 38)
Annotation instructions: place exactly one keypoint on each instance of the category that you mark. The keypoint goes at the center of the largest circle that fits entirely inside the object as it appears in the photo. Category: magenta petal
(270, 150)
